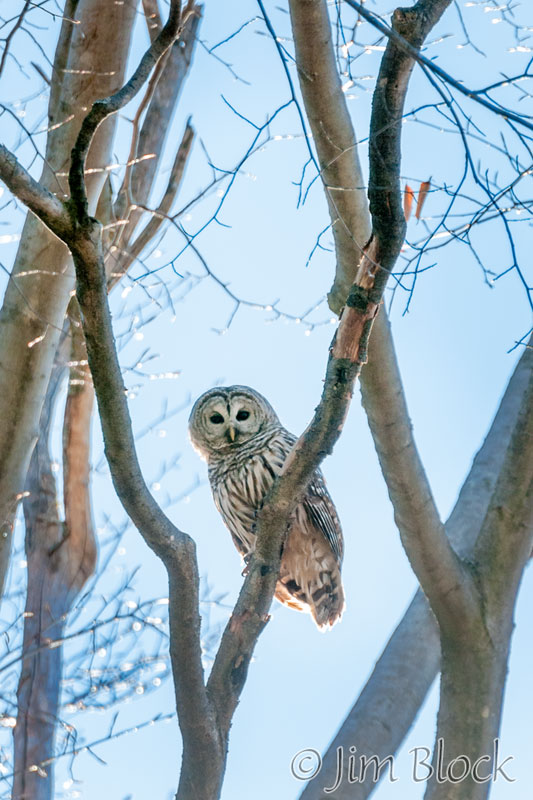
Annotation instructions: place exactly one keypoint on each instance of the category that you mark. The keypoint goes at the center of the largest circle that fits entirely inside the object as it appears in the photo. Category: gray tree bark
(398, 685)
(42, 280)
(465, 595)
(389, 702)
(61, 554)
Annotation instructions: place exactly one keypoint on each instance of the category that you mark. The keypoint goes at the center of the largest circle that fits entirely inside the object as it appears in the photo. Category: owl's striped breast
(242, 477)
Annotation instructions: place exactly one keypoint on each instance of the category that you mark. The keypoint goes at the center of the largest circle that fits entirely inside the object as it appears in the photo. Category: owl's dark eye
(242, 415)
(216, 419)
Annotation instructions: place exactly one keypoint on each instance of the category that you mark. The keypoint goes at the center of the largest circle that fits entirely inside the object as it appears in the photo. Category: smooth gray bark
(61, 556)
(398, 685)
(34, 305)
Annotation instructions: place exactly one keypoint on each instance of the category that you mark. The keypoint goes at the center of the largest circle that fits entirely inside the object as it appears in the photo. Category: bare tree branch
(36, 197)
(387, 705)
(504, 545)
(325, 102)
(153, 134)
(161, 98)
(162, 211)
(110, 105)
(61, 556)
(76, 464)
(423, 534)
(201, 741)
(175, 548)
(38, 688)
(334, 139)
(33, 311)
(448, 585)
(477, 96)
(153, 18)
(11, 34)
(347, 355)
(474, 668)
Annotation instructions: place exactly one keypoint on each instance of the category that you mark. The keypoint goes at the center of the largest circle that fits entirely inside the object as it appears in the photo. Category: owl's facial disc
(231, 422)
(227, 417)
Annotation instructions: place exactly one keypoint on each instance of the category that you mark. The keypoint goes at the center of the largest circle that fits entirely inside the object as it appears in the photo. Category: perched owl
(240, 436)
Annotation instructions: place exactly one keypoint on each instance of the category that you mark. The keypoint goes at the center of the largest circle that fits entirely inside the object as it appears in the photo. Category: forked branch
(347, 355)
(110, 105)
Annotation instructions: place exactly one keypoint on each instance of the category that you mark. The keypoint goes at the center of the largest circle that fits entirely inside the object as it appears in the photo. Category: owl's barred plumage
(239, 434)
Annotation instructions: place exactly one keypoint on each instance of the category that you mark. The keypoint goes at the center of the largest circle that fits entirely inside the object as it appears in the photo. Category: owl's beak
(231, 431)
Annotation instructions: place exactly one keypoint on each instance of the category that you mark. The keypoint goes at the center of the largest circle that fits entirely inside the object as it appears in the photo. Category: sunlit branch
(475, 95)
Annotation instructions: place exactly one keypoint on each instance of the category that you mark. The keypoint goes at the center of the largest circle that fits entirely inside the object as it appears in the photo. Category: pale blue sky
(452, 348)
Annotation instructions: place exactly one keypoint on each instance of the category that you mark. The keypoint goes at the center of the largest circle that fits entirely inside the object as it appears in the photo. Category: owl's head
(226, 417)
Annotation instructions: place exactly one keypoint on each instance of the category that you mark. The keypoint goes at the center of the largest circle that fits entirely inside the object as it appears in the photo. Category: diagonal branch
(445, 580)
(160, 214)
(443, 577)
(407, 47)
(504, 543)
(35, 315)
(387, 705)
(33, 194)
(347, 355)
(152, 134)
(148, 139)
(124, 194)
(110, 105)
(422, 532)
(175, 548)
(334, 139)
(416, 513)
(8, 39)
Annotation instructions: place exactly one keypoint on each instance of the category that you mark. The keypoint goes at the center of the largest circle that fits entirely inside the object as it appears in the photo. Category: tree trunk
(42, 280)
(60, 556)
(471, 698)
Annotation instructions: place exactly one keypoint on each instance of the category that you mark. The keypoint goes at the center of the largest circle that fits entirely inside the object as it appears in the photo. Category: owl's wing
(323, 514)
(318, 504)
(238, 516)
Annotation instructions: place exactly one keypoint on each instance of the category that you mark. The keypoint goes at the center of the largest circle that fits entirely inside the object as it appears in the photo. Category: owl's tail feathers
(326, 599)
(322, 594)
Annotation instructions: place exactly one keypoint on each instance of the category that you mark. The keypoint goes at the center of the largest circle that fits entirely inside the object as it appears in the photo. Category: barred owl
(238, 433)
